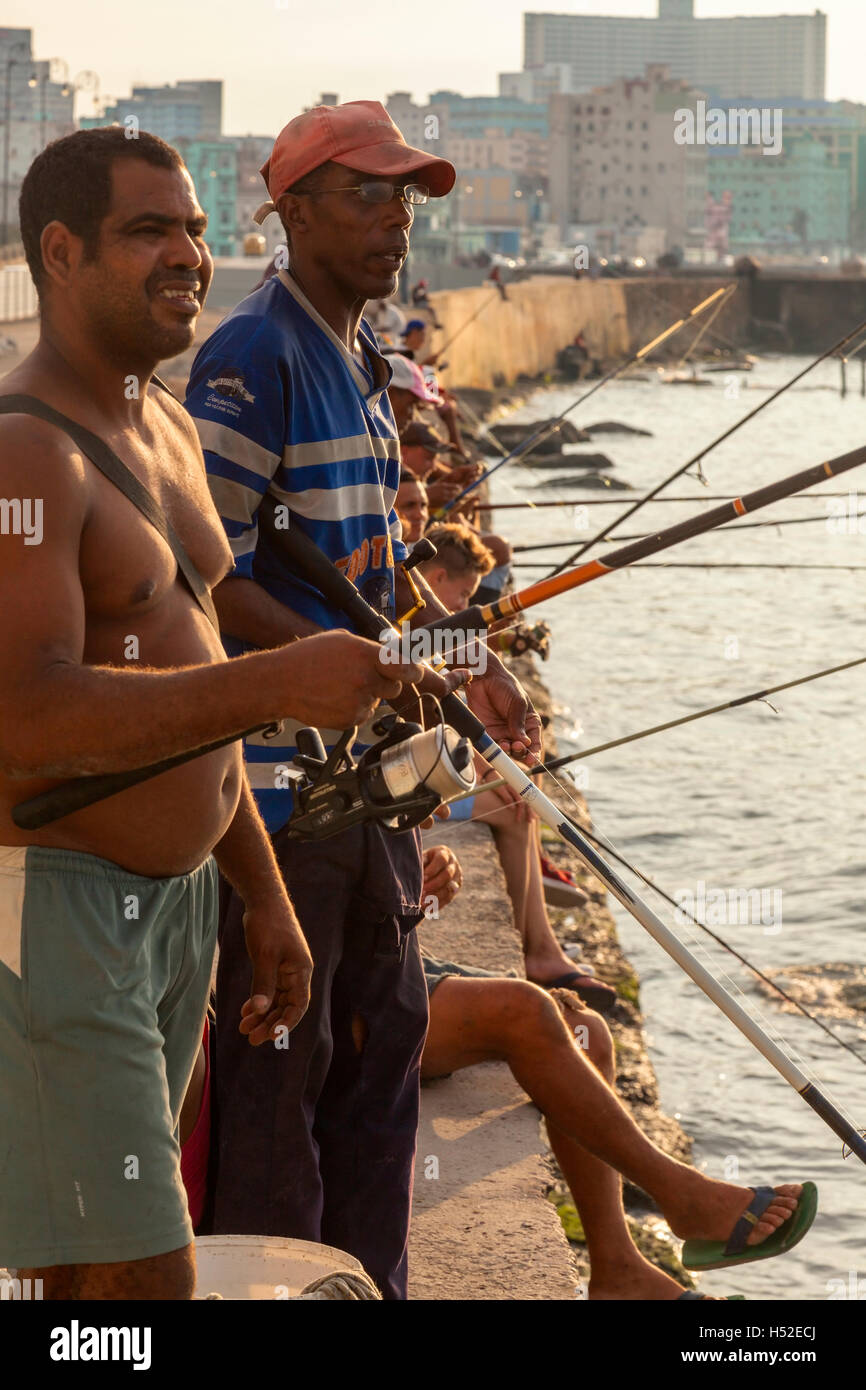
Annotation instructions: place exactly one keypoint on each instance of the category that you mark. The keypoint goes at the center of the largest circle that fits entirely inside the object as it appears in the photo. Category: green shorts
(104, 980)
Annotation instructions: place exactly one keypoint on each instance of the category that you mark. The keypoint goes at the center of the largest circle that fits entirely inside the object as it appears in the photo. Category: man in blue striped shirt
(289, 397)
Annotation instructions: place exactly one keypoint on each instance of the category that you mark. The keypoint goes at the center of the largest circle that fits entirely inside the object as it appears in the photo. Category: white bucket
(270, 1267)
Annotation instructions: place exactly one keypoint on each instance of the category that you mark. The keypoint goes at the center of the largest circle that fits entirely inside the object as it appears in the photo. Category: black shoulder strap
(116, 471)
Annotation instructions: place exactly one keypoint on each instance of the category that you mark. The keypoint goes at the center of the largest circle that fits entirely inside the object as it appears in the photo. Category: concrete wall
(809, 314)
(523, 334)
(541, 315)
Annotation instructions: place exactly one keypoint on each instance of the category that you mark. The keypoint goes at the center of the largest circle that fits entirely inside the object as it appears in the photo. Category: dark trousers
(317, 1141)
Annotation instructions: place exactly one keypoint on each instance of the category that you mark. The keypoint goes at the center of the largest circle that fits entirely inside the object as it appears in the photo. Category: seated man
(412, 340)
(563, 1057)
(453, 575)
(411, 505)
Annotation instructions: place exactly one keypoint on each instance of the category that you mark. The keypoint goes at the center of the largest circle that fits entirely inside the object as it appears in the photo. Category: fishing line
(695, 461)
(471, 319)
(756, 696)
(755, 1012)
(741, 526)
(603, 842)
(547, 429)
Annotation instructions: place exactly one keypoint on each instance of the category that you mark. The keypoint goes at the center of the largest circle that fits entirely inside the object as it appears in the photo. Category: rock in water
(588, 480)
(614, 427)
(563, 460)
(511, 436)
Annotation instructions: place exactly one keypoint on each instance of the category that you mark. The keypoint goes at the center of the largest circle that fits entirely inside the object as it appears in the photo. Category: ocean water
(746, 800)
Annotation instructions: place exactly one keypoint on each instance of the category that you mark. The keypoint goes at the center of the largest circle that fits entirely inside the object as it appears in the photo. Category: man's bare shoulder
(175, 413)
(33, 449)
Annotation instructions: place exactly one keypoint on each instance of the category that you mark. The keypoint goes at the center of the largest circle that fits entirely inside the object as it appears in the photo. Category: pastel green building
(799, 199)
(213, 167)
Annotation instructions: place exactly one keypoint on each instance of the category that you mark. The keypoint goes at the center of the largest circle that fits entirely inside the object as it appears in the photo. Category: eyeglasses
(379, 191)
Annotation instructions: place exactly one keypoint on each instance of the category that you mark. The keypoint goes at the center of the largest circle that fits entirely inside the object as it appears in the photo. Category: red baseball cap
(359, 134)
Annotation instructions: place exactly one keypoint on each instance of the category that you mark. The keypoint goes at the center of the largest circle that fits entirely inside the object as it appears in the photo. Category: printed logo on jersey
(231, 383)
(368, 555)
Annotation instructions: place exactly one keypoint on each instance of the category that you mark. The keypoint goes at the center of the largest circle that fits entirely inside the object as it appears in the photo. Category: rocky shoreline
(594, 930)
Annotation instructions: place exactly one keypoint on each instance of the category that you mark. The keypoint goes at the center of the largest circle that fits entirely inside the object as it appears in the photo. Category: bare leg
(617, 1268)
(517, 847)
(511, 1020)
(169, 1276)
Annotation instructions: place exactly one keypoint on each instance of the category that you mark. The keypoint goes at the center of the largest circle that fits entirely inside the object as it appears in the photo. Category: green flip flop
(715, 1254)
(692, 1295)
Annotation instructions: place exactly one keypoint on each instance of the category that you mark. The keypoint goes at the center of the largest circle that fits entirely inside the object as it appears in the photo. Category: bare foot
(709, 1210)
(634, 1280)
(542, 969)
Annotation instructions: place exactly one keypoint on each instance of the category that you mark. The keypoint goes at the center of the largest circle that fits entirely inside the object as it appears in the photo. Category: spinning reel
(399, 781)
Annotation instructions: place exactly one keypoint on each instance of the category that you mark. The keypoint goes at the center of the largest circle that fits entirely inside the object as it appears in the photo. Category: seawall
(490, 1207)
(519, 336)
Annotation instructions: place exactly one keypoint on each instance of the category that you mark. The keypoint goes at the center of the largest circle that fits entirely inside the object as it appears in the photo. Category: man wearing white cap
(289, 397)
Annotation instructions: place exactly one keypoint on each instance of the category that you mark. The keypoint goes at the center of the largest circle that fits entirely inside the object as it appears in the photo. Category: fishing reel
(399, 781)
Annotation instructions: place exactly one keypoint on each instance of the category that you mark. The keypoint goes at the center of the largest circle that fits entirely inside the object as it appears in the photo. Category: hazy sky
(277, 56)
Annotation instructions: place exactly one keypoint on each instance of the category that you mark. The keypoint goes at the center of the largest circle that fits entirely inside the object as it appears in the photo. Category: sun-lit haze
(277, 56)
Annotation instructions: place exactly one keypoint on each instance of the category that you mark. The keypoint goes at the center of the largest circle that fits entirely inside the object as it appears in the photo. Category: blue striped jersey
(281, 406)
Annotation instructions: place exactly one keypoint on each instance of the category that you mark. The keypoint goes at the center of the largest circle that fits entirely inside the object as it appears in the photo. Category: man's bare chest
(125, 563)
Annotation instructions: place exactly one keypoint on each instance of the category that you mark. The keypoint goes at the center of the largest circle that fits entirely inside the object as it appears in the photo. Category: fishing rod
(479, 616)
(615, 274)
(618, 502)
(736, 703)
(700, 334)
(80, 792)
(705, 565)
(471, 319)
(744, 526)
(549, 426)
(602, 842)
(314, 568)
(696, 459)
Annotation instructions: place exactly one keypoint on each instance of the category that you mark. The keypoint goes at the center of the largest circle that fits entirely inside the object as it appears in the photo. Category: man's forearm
(245, 855)
(248, 612)
(112, 719)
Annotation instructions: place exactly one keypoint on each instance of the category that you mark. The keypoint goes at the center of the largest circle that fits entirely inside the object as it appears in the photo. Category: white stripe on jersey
(228, 444)
(355, 446)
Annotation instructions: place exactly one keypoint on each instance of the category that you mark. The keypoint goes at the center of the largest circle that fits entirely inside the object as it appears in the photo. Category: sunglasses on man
(381, 191)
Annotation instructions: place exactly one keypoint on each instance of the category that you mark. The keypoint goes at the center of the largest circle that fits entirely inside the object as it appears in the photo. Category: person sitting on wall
(453, 574)
(562, 1054)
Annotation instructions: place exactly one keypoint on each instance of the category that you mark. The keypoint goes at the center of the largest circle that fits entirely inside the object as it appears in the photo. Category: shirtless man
(107, 916)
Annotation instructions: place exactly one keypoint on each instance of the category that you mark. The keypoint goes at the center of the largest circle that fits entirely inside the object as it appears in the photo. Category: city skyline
(277, 62)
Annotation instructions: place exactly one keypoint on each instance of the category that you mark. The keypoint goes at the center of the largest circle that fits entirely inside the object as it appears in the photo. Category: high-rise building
(192, 110)
(614, 162)
(33, 112)
(774, 55)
